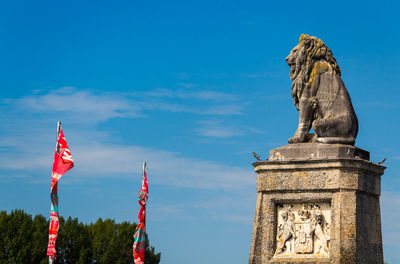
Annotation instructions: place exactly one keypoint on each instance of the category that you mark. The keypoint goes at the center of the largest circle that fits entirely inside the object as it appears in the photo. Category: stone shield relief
(303, 230)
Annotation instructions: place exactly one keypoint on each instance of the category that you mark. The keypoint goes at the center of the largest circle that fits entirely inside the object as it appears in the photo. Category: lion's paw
(294, 140)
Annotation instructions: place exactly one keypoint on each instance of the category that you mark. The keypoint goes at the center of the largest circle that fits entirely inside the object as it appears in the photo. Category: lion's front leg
(305, 121)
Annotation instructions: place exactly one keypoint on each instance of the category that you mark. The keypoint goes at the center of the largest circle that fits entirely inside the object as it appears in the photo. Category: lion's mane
(309, 51)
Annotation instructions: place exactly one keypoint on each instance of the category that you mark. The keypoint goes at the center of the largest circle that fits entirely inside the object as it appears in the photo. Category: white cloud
(223, 110)
(24, 138)
(29, 124)
(207, 95)
(230, 205)
(93, 160)
(198, 102)
(188, 85)
(218, 129)
(92, 106)
(78, 106)
(197, 95)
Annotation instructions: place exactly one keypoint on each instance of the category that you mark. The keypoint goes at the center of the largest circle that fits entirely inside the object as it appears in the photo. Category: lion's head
(302, 59)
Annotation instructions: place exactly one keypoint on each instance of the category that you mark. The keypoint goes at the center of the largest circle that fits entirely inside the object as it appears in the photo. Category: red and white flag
(63, 162)
(139, 239)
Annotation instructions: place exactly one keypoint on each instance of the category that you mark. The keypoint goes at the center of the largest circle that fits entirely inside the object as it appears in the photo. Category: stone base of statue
(317, 203)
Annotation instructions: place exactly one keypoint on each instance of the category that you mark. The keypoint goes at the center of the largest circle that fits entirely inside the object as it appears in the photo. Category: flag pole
(58, 128)
(51, 260)
(144, 171)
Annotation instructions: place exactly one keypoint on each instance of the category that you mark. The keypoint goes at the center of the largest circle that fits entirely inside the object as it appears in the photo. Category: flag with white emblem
(139, 239)
(63, 162)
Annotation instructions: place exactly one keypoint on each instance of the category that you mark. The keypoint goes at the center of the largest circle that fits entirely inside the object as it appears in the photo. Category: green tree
(101, 234)
(24, 240)
(39, 239)
(16, 232)
(120, 247)
(73, 242)
(112, 243)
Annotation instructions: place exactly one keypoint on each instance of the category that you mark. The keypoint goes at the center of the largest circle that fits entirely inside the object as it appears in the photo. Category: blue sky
(191, 87)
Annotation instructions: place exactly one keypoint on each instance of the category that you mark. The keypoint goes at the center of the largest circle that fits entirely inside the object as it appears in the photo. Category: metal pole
(58, 128)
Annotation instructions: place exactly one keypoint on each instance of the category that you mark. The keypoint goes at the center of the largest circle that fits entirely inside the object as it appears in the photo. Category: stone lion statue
(320, 95)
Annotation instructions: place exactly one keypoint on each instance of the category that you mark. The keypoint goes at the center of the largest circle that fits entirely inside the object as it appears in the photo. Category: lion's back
(333, 96)
(335, 105)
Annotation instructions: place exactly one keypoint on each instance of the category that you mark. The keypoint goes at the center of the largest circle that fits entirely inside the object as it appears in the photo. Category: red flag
(139, 239)
(63, 162)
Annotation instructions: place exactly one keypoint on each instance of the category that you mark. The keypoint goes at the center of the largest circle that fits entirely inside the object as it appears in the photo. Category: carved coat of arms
(302, 232)
(303, 240)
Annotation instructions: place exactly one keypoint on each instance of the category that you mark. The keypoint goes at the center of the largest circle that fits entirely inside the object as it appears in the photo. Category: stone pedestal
(317, 203)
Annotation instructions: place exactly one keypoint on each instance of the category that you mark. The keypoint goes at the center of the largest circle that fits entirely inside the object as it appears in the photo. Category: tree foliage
(24, 240)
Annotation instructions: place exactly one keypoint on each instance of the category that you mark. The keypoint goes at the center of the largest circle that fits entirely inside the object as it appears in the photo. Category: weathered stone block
(317, 203)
